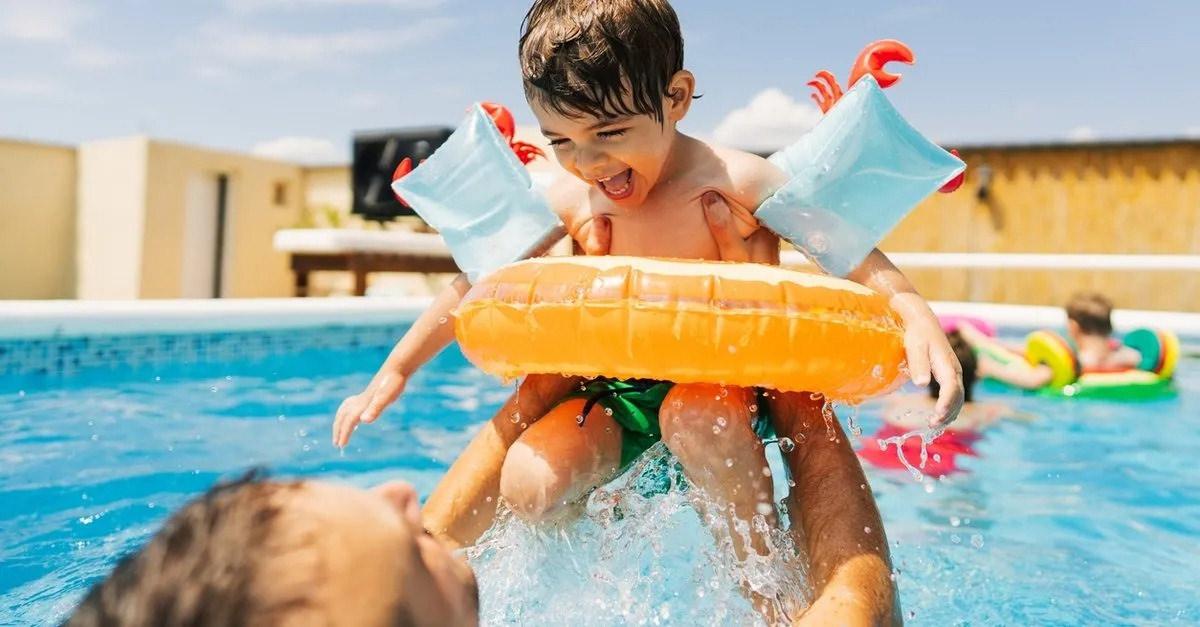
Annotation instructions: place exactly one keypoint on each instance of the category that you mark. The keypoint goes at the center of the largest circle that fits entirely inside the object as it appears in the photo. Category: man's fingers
(346, 420)
(720, 222)
(599, 238)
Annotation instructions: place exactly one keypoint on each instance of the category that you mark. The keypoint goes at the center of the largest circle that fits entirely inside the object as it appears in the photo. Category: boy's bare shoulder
(752, 179)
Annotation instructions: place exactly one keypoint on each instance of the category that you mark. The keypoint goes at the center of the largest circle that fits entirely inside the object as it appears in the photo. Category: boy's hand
(928, 353)
(366, 407)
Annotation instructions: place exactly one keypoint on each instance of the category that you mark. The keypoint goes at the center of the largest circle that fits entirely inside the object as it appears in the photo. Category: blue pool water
(1090, 513)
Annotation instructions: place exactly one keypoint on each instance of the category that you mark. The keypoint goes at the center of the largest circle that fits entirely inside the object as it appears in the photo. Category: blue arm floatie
(480, 198)
(854, 176)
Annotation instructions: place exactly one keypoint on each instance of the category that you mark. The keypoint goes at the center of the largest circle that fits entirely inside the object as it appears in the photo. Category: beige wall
(252, 266)
(37, 220)
(111, 224)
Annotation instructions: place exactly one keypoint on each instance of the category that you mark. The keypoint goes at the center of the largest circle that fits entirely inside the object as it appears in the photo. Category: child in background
(1089, 327)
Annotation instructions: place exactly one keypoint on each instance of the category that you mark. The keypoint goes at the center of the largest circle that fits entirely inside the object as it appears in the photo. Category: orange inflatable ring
(683, 321)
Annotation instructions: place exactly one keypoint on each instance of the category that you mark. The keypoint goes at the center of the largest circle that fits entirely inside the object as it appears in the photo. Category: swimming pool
(1088, 514)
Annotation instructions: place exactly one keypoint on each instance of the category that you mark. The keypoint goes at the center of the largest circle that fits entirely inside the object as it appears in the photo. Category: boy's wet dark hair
(966, 358)
(607, 58)
(1092, 312)
(198, 569)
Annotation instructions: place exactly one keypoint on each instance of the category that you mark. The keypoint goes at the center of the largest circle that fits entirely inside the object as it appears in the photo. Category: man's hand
(366, 406)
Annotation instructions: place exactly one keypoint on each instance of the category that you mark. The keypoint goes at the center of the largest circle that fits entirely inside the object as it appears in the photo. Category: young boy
(1089, 326)
(605, 80)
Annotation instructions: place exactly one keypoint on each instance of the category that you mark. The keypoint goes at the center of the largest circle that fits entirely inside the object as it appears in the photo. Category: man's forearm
(847, 549)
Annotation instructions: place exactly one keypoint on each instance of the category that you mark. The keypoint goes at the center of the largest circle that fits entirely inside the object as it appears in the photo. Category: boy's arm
(431, 332)
(925, 345)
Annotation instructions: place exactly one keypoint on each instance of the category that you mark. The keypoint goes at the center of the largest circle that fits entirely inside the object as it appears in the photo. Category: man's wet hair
(199, 569)
(1092, 311)
(605, 58)
(966, 358)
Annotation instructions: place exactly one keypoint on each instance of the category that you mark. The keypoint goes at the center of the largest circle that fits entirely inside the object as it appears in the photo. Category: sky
(295, 79)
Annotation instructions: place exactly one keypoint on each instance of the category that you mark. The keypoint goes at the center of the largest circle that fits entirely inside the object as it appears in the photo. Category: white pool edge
(37, 319)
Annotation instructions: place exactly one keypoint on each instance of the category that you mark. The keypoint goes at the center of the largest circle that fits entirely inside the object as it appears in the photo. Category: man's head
(271, 553)
(1089, 313)
(605, 79)
(966, 358)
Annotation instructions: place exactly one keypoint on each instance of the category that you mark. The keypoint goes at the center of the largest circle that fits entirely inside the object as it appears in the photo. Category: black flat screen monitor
(376, 155)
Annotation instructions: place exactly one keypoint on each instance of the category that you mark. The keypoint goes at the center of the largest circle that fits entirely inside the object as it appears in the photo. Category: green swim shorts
(635, 403)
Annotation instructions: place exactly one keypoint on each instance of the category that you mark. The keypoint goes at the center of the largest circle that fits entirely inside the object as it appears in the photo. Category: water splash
(639, 554)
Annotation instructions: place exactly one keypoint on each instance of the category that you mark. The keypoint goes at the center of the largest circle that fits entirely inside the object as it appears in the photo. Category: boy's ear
(679, 95)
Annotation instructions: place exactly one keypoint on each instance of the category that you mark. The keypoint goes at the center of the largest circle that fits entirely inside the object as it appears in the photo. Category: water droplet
(442, 320)
(281, 418)
(716, 430)
(866, 530)
(786, 445)
(954, 537)
(307, 447)
(721, 422)
(728, 462)
(766, 471)
(955, 521)
(929, 488)
(608, 411)
(95, 437)
(515, 417)
(937, 457)
(877, 372)
(228, 378)
(488, 499)
(158, 378)
(213, 389)
(977, 541)
(763, 508)
(579, 420)
(303, 433)
(753, 407)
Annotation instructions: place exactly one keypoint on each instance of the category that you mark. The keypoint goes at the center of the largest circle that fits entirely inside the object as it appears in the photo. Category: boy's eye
(610, 134)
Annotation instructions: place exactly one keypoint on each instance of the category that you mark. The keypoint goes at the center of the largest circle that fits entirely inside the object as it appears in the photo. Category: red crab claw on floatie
(872, 60)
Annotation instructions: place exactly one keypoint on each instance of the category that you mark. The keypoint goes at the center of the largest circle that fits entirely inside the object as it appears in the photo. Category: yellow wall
(1087, 198)
(37, 220)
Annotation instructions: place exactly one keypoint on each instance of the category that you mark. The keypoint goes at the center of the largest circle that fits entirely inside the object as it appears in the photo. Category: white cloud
(94, 57)
(237, 44)
(1082, 134)
(771, 121)
(44, 20)
(247, 6)
(302, 150)
(28, 87)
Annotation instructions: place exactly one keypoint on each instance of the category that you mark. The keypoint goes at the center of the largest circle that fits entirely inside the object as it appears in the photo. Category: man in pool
(263, 553)
(256, 552)
(605, 80)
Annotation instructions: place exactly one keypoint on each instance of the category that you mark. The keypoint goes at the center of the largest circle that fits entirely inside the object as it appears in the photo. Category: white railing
(1028, 261)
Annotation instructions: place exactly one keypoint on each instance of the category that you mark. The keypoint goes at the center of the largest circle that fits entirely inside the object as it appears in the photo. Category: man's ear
(680, 90)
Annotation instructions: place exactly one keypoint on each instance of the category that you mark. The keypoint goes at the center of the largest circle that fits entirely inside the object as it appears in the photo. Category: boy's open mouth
(619, 186)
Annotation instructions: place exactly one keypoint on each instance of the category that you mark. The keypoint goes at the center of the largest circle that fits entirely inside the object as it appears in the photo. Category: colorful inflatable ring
(1053, 351)
(1152, 379)
(952, 322)
(1159, 349)
(683, 321)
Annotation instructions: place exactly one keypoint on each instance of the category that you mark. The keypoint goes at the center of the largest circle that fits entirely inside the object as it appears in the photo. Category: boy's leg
(558, 460)
(710, 429)
(463, 505)
(834, 516)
